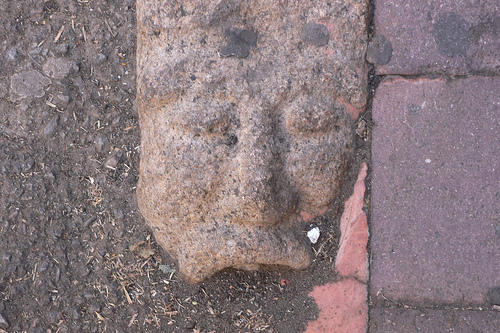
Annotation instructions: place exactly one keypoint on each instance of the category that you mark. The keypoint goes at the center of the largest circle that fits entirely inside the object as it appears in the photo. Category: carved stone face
(246, 112)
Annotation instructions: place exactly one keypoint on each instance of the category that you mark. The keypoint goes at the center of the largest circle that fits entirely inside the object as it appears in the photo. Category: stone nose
(265, 194)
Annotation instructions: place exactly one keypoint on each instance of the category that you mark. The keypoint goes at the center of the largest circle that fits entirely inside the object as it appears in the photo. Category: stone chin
(202, 248)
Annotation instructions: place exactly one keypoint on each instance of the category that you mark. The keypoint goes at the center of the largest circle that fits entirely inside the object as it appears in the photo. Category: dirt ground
(75, 254)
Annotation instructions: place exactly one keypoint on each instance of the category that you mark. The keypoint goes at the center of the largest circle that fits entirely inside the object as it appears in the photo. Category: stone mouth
(201, 254)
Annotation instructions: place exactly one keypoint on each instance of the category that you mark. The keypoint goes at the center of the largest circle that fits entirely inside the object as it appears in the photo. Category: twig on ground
(126, 294)
(59, 34)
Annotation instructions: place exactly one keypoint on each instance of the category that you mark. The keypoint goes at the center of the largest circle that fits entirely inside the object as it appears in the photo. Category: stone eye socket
(217, 125)
(201, 119)
(231, 140)
(311, 117)
(209, 124)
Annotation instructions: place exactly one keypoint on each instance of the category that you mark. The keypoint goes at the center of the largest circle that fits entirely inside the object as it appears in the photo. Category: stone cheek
(236, 144)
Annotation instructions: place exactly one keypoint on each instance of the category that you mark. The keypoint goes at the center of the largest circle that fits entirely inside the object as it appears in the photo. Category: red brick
(352, 257)
(343, 307)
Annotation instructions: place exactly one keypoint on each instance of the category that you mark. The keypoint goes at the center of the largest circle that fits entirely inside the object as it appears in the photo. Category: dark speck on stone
(316, 34)
(232, 140)
(413, 109)
(493, 295)
(451, 33)
(238, 43)
(379, 50)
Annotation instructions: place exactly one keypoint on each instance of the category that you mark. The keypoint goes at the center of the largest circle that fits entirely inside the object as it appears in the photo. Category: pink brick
(343, 308)
(352, 257)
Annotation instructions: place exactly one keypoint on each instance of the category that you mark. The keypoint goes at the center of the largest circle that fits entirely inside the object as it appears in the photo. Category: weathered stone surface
(246, 114)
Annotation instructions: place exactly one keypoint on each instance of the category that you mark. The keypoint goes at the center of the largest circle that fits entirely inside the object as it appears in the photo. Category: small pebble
(58, 231)
(78, 300)
(87, 293)
(100, 179)
(118, 214)
(99, 58)
(13, 215)
(313, 235)
(11, 55)
(239, 43)
(51, 126)
(23, 106)
(118, 233)
(54, 317)
(62, 329)
(114, 159)
(94, 307)
(30, 83)
(59, 68)
(82, 271)
(191, 324)
(99, 143)
(44, 300)
(62, 49)
(89, 221)
(3, 323)
(3, 90)
(57, 274)
(44, 266)
(62, 99)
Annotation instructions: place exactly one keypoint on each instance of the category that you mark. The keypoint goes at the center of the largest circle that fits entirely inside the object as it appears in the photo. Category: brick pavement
(455, 37)
(435, 224)
(402, 320)
(435, 190)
